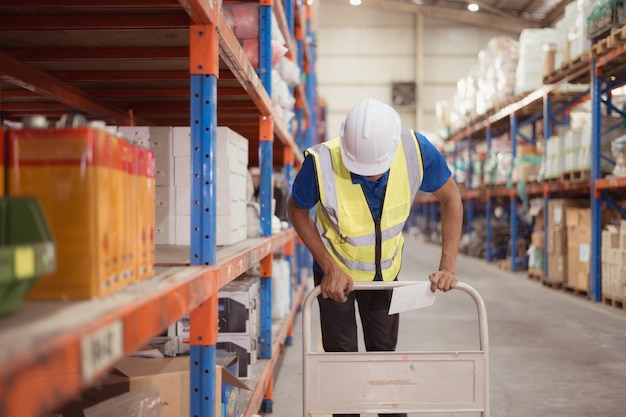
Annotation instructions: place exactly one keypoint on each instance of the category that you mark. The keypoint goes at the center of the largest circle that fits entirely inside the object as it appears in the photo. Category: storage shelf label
(101, 348)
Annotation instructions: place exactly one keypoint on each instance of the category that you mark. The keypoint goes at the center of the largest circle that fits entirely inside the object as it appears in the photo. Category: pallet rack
(602, 72)
(154, 62)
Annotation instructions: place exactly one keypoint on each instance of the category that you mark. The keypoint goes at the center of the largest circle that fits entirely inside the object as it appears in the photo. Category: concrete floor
(553, 354)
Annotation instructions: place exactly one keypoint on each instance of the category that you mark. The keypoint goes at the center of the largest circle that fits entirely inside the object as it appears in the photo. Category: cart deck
(396, 382)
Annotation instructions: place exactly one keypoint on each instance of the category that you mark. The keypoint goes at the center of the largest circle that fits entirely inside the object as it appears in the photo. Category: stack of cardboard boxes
(556, 232)
(614, 262)
(578, 221)
(172, 147)
(569, 242)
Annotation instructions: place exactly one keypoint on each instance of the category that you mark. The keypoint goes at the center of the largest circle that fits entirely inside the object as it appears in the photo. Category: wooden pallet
(567, 68)
(613, 302)
(504, 264)
(576, 175)
(535, 274)
(555, 285)
(615, 39)
(576, 291)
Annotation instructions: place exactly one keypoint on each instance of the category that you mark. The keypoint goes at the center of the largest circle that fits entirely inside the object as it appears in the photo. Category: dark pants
(339, 329)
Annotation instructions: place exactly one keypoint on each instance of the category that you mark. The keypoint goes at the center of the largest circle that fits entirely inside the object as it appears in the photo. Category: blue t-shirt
(305, 190)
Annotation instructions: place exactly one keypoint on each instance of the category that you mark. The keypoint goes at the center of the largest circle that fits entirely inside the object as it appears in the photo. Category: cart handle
(387, 285)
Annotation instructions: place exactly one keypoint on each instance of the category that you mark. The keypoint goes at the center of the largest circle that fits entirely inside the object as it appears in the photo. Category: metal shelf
(145, 62)
(127, 67)
(50, 350)
(46, 343)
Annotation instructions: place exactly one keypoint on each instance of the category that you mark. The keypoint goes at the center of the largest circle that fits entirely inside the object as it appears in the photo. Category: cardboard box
(165, 171)
(170, 376)
(557, 242)
(165, 200)
(538, 240)
(557, 267)
(182, 141)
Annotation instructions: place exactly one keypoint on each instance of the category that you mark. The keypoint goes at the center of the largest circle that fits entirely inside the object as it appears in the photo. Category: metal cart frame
(395, 382)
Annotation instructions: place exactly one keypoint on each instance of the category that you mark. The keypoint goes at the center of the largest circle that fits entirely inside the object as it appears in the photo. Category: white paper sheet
(411, 297)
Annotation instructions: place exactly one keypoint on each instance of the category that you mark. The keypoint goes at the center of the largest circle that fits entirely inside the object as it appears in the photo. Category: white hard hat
(369, 137)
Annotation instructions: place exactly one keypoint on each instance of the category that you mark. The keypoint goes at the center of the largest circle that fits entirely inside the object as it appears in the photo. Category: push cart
(396, 382)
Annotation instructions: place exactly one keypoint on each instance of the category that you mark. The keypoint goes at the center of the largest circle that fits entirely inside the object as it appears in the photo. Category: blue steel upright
(203, 228)
(595, 284)
(547, 134)
(489, 208)
(513, 199)
(266, 186)
(470, 177)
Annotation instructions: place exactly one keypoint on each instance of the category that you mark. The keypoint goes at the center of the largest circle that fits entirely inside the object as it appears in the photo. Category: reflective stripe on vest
(344, 219)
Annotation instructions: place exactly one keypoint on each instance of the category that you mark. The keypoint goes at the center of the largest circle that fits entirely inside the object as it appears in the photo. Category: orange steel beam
(32, 79)
(127, 93)
(43, 376)
(81, 4)
(235, 59)
(97, 54)
(94, 21)
(203, 327)
(203, 50)
(267, 374)
(201, 12)
(232, 266)
(265, 270)
(610, 183)
(146, 76)
(266, 129)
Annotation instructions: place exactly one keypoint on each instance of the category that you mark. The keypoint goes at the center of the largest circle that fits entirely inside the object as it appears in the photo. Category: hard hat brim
(367, 169)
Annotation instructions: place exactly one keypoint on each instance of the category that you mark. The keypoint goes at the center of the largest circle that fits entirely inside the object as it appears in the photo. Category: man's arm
(451, 228)
(336, 284)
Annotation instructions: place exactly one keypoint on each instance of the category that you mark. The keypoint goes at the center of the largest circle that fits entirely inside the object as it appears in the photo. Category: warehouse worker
(363, 184)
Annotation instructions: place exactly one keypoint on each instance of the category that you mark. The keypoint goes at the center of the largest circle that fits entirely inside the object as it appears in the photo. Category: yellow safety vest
(360, 244)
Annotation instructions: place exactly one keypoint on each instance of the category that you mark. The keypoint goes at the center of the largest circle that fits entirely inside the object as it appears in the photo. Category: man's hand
(443, 280)
(336, 284)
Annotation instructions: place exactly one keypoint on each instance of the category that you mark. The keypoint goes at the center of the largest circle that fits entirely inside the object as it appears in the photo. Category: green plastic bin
(27, 249)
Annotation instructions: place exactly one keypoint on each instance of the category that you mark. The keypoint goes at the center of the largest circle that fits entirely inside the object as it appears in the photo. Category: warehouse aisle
(552, 354)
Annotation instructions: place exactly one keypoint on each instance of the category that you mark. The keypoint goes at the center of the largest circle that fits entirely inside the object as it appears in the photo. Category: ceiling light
(355, 2)
(473, 7)
(309, 2)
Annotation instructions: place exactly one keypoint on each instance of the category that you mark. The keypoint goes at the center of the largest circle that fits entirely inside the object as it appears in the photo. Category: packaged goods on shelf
(172, 146)
(618, 148)
(605, 16)
(529, 72)
(27, 249)
(527, 164)
(614, 262)
(578, 36)
(245, 348)
(88, 183)
(498, 63)
(2, 167)
(171, 377)
(281, 288)
(144, 402)
(243, 18)
(238, 307)
(578, 247)
(557, 239)
(251, 49)
(145, 213)
(289, 71)
(535, 258)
